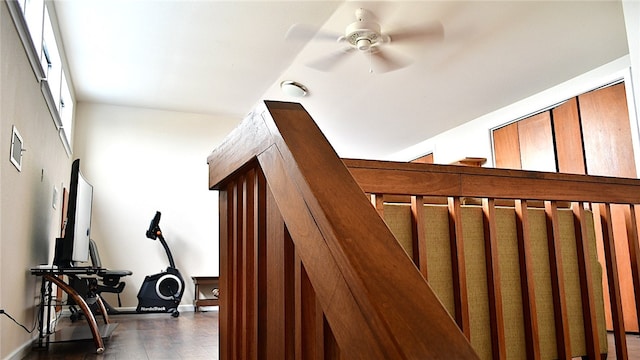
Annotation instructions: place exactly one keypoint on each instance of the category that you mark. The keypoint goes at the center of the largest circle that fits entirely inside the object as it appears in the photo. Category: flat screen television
(73, 247)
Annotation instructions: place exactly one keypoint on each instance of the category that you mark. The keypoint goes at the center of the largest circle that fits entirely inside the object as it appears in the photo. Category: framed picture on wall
(16, 149)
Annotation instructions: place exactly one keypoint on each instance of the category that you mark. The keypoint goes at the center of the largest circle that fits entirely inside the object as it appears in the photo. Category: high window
(35, 25)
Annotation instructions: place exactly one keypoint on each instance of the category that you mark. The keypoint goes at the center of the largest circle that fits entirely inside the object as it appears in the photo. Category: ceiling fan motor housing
(363, 35)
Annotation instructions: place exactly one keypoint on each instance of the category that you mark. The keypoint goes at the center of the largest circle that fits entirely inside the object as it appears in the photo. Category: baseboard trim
(24, 350)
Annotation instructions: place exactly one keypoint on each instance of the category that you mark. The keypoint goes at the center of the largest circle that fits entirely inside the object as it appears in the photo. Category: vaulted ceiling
(222, 57)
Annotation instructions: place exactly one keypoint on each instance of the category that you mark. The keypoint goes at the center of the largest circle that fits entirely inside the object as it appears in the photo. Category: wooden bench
(208, 281)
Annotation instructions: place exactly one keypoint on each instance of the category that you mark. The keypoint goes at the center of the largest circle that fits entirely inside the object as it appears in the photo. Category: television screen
(74, 246)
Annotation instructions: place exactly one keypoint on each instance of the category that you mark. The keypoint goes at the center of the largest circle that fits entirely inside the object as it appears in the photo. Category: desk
(212, 281)
(51, 276)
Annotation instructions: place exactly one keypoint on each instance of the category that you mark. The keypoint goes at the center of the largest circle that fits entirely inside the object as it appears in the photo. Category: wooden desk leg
(44, 307)
(103, 309)
(196, 297)
(91, 320)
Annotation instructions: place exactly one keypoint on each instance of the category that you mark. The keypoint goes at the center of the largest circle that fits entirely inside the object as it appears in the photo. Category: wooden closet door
(536, 143)
(608, 151)
(568, 136)
(607, 133)
(506, 147)
(425, 159)
(526, 144)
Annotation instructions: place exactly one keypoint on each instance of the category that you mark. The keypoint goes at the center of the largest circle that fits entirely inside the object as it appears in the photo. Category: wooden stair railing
(413, 183)
(308, 270)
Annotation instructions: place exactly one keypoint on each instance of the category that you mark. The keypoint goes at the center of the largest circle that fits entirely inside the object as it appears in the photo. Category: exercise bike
(159, 293)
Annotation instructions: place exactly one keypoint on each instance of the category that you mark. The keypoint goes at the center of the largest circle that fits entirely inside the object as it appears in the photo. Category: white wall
(631, 10)
(143, 160)
(28, 222)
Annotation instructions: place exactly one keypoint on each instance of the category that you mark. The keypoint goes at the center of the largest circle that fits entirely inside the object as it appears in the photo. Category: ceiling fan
(365, 36)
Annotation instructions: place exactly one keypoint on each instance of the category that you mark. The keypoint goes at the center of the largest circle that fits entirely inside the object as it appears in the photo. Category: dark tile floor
(191, 336)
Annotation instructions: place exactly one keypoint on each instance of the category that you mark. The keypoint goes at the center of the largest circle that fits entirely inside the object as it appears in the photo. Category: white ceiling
(222, 57)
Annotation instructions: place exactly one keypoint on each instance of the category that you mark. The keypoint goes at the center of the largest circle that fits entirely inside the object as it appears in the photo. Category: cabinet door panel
(536, 143)
(607, 134)
(506, 147)
(568, 135)
(609, 151)
(425, 159)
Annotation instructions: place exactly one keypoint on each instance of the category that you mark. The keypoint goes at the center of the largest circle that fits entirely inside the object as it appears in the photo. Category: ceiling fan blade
(304, 33)
(385, 61)
(433, 31)
(326, 63)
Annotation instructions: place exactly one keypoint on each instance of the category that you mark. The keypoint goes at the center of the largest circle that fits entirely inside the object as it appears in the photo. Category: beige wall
(28, 221)
(140, 161)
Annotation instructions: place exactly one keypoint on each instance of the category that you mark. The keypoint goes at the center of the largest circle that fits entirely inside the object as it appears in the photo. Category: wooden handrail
(372, 299)
(387, 177)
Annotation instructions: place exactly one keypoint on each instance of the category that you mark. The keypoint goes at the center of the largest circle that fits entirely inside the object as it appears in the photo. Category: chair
(110, 278)
(105, 281)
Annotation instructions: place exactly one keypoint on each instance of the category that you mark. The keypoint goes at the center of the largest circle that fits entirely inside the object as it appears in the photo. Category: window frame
(53, 77)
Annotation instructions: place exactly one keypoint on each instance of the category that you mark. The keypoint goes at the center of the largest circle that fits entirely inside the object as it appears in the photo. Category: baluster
(614, 282)
(586, 281)
(527, 280)
(418, 237)
(378, 202)
(634, 253)
(493, 278)
(460, 296)
(557, 281)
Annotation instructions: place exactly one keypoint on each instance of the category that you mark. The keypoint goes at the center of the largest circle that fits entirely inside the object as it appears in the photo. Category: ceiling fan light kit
(293, 89)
